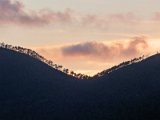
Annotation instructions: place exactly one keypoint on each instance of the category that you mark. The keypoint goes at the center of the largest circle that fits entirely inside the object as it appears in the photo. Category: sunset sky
(86, 36)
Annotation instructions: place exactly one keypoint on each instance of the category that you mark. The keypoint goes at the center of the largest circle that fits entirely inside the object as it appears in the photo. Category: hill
(30, 89)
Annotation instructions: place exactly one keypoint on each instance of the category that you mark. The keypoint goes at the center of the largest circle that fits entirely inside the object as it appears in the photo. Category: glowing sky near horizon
(83, 35)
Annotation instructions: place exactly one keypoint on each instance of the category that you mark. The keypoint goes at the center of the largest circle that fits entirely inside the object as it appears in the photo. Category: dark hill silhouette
(134, 90)
(37, 56)
(32, 90)
(121, 65)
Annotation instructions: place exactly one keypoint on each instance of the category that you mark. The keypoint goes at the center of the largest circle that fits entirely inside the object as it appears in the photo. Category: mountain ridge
(43, 59)
(67, 71)
(32, 90)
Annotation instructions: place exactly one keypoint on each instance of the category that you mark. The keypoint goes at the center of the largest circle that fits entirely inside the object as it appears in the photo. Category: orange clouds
(14, 12)
(96, 56)
(93, 51)
(101, 51)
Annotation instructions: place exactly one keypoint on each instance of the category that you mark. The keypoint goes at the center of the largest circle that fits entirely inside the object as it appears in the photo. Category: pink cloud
(157, 16)
(14, 12)
(96, 55)
(106, 52)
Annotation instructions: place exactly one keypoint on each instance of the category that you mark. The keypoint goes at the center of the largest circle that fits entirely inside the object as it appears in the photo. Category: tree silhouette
(66, 70)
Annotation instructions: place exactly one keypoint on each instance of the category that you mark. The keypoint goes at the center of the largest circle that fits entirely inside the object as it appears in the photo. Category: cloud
(106, 52)
(125, 18)
(96, 55)
(14, 12)
(156, 16)
(86, 49)
(135, 46)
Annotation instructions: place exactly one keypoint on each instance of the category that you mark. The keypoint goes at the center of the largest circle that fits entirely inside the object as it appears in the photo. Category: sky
(86, 36)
